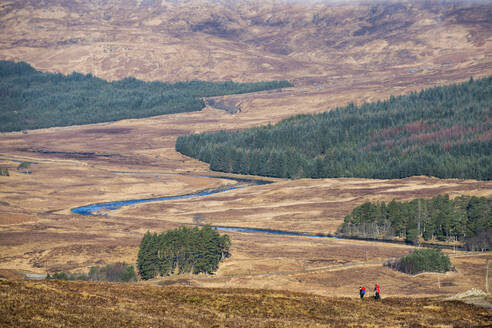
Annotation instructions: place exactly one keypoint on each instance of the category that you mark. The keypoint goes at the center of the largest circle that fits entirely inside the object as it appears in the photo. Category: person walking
(377, 290)
(362, 291)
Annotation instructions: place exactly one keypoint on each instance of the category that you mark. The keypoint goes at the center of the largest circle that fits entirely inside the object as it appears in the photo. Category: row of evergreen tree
(443, 132)
(463, 218)
(182, 250)
(31, 99)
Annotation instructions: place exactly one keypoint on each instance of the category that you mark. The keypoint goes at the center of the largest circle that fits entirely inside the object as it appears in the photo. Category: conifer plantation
(444, 132)
(182, 250)
(31, 99)
(467, 219)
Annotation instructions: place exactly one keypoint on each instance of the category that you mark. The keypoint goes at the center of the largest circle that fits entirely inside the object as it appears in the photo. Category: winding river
(241, 183)
(109, 206)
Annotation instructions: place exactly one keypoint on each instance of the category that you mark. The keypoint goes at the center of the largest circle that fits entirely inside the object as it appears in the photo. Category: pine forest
(444, 132)
(31, 99)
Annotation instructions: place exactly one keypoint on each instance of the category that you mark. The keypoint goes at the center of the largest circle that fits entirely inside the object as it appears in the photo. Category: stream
(270, 231)
(241, 183)
(93, 209)
(109, 206)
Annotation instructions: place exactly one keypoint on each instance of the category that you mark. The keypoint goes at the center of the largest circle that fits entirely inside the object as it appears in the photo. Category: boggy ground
(86, 304)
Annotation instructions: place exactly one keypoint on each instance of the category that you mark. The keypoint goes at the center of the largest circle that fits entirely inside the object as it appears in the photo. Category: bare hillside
(307, 42)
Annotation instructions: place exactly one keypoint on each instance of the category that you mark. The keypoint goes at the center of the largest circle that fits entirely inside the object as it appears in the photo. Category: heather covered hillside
(87, 304)
(444, 132)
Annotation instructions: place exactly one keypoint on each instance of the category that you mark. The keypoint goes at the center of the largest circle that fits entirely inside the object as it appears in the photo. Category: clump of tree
(422, 260)
(442, 132)
(465, 218)
(480, 242)
(4, 171)
(24, 167)
(183, 250)
(115, 272)
(30, 99)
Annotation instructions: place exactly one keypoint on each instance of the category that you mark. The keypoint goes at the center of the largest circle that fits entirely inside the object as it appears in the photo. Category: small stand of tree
(4, 171)
(116, 272)
(422, 260)
(24, 167)
(480, 242)
(183, 250)
(465, 219)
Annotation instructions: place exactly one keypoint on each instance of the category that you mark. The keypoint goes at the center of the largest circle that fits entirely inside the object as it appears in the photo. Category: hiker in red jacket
(377, 290)
(362, 291)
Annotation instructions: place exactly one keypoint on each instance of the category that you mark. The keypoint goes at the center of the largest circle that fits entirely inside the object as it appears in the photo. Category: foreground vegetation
(467, 219)
(443, 132)
(52, 303)
(182, 250)
(422, 260)
(31, 99)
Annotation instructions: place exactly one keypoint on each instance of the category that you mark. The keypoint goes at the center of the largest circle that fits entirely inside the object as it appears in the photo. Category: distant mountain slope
(31, 99)
(246, 40)
(444, 132)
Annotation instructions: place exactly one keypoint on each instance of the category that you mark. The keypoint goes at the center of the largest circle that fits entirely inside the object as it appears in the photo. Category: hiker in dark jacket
(377, 290)
(362, 291)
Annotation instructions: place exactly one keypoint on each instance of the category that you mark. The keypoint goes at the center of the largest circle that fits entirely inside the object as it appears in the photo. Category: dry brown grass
(84, 304)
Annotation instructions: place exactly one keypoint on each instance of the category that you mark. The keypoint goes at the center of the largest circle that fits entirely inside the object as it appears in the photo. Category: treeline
(444, 132)
(31, 99)
(180, 251)
(466, 219)
(422, 260)
(115, 272)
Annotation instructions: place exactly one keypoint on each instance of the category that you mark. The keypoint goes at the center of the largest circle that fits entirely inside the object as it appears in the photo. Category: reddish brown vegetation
(84, 304)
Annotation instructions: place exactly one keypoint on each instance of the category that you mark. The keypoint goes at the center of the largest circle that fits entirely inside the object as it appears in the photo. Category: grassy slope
(87, 304)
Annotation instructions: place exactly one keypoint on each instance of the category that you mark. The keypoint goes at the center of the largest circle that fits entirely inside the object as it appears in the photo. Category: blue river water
(274, 232)
(93, 208)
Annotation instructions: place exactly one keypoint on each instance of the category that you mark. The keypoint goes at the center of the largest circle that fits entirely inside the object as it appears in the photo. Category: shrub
(119, 272)
(116, 272)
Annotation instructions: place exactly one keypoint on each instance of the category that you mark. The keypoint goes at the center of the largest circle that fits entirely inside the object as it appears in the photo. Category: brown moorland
(333, 53)
(85, 304)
